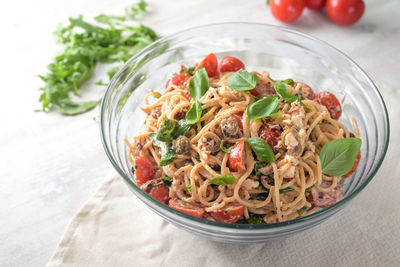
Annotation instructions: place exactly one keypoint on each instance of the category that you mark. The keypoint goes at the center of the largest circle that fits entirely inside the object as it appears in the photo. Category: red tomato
(230, 64)
(263, 88)
(286, 10)
(144, 170)
(210, 63)
(160, 192)
(238, 118)
(306, 91)
(330, 101)
(191, 209)
(177, 80)
(315, 4)
(345, 12)
(327, 199)
(355, 166)
(231, 213)
(236, 157)
(271, 134)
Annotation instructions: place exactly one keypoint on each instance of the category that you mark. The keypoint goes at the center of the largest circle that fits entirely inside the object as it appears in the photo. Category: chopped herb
(258, 166)
(189, 187)
(223, 179)
(284, 190)
(302, 210)
(225, 149)
(189, 71)
(253, 220)
(289, 82)
(167, 154)
(198, 157)
(167, 180)
(165, 132)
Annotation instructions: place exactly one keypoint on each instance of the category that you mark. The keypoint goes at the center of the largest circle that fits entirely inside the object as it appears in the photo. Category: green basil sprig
(199, 84)
(181, 128)
(289, 82)
(282, 90)
(165, 132)
(243, 81)
(167, 154)
(338, 156)
(194, 113)
(223, 179)
(263, 108)
(262, 149)
(167, 180)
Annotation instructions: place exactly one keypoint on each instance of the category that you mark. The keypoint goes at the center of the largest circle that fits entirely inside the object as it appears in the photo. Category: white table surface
(50, 164)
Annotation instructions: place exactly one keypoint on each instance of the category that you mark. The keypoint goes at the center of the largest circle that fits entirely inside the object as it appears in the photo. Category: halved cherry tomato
(236, 158)
(306, 91)
(330, 101)
(238, 118)
(271, 134)
(355, 166)
(144, 170)
(326, 199)
(160, 192)
(191, 209)
(210, 63)
(231, 213)
(263, 88)
(345, 12)
(286, 10)
(315, 4)
(230, 64)
(177, 80)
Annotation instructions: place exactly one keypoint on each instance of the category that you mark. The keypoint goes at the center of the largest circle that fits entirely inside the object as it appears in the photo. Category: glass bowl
(283, 52)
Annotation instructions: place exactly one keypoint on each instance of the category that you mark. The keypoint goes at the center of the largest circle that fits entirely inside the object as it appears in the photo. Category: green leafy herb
(199, 84)
(283, 91)
(225, 149)
(189, 71)
(194, 113)
(181, 128)
(258, 166)
(242, 81)
(189, 187)
(338, 156)
(165, 132)
(254, 220)
(223, 179)
(284, 190)
(86, 45)
(167, 154)
(262, 149)
(289, 82)
(263, 108)
(302, 210)
(198, 157)
(167, 180)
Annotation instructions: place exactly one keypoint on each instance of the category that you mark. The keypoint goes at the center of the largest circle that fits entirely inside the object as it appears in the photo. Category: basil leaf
(189, 187)
(167, 154)
(167, 180)
(338, 156)
(254, 220)
(282, 90)
(194, 113)
(181, 128)
(223, 179)
(165, 132)
(222, 147)
(189, 71)
(302, 210)
(199, 84)
(263, 108)
(284, 190)
(289, 82)
(258, 166)
(68, 107)
(262, 149)
(243, 81)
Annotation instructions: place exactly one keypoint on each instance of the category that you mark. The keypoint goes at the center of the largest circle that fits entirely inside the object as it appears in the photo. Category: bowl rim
(239, 227)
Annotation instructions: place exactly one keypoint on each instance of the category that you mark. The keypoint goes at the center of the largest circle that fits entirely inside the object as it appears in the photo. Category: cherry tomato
(230, 64)
(315, 4)
(286, 10)
(160, 192)
(330, 101)
(306, 91)
(231, 213)
(345, 12)
(191, 209)
(236, 158)
(326, 199)
(177, 80)
(210, 63)
(355, 166)
(238, 118)
(144, 170)
(271, 134)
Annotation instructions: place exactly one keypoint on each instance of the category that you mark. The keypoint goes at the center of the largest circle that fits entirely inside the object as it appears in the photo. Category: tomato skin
(177, 80)
(306, 91)
(210, 63)
(345, 12)
(287, 10)
(271, 134)
(330, 101)
(230, 64)
(160, 192)
(315, 4)
(238, 118)
(355, 166)
(144, 170)
(324, 200)
(236, 158)
(231, 213)
(188, 208)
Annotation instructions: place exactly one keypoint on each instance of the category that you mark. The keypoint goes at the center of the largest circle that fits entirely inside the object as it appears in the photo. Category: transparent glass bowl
(285, 54)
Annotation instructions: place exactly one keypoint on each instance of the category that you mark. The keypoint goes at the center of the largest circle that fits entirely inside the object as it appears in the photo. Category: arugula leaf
(223, 179)
(263, 108)
(167, 180)
(258, 166)
(222, 147)
(254, 220)
(167, 154)
(282, 90)
(338, 156)
(242, 81)
(262, 149)
(199, 84)
(194, 113)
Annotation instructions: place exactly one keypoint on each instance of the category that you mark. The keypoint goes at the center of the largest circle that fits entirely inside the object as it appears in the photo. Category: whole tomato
(286, 10)
(315, 4)
(345, 12)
